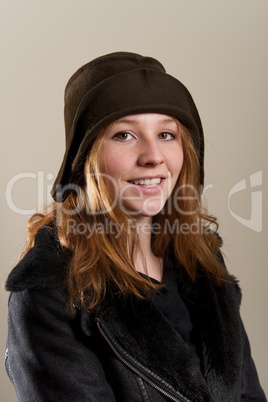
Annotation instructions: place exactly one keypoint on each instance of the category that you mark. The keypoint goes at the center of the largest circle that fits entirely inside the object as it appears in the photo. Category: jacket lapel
(215, 315)
(145, 334)
(142, 331)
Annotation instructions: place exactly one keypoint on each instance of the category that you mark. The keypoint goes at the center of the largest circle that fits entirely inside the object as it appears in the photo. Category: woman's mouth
(147, 182)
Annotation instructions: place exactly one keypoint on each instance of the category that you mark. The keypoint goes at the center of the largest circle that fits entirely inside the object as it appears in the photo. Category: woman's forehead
(146, 117)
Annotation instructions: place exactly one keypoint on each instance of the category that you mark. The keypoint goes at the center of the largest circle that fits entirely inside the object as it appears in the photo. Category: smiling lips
(147, 182)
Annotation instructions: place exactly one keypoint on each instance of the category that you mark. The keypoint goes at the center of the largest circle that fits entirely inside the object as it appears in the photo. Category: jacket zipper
(137, 371)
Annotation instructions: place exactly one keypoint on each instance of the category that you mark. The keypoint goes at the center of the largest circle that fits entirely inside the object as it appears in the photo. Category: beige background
(218, 49)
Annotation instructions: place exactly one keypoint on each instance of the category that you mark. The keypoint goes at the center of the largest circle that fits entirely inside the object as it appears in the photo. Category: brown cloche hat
(113, 86)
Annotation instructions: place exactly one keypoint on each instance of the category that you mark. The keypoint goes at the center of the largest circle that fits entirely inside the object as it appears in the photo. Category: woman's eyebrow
(129, 121)
(170, 120)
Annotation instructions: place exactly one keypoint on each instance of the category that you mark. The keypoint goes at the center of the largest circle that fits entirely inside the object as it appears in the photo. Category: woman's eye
(123, 136)
(165, 135)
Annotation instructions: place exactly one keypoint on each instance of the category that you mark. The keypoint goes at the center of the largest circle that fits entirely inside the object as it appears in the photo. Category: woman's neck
(145, 260)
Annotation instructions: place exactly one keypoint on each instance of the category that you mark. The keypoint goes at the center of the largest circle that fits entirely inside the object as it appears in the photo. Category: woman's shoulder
(44, 266)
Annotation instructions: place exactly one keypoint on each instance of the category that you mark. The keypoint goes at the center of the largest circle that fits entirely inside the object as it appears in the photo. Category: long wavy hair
(103, 238)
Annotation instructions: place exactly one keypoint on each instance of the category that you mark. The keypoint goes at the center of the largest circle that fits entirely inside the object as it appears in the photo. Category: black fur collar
(140, 329)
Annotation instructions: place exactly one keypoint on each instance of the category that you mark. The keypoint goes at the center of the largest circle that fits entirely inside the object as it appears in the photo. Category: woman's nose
(150, 154)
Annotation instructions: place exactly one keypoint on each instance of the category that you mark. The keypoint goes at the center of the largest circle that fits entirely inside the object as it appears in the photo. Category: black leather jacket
(125, 350)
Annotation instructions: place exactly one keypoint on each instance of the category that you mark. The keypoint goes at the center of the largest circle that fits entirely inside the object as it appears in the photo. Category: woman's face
(141, 159)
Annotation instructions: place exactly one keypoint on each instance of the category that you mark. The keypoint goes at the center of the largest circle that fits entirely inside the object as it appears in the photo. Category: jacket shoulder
(44, 266)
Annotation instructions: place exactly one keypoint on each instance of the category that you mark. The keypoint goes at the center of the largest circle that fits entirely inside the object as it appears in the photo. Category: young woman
(122, 293)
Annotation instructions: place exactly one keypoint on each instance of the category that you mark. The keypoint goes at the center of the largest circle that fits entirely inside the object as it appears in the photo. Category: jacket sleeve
(251, 388)
(48, 358)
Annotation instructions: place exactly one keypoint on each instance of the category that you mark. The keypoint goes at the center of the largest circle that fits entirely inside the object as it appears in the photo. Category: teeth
(148, 182)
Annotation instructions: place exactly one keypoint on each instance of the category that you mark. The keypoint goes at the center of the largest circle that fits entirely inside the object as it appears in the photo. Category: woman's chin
(150, 207)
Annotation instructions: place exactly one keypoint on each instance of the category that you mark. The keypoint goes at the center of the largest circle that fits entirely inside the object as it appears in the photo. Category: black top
(172, 306)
